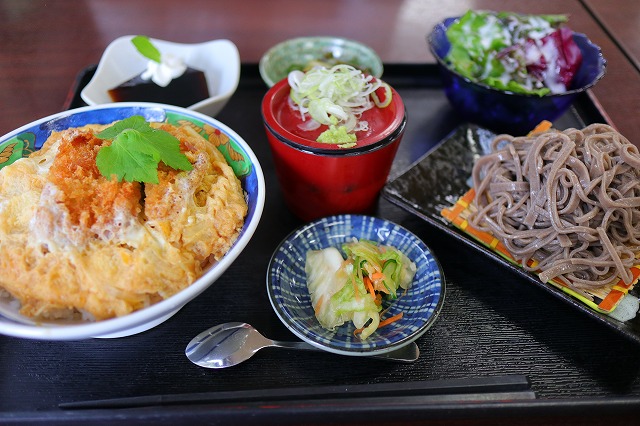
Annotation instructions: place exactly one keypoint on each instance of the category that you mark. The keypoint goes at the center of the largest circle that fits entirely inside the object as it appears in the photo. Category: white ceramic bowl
(218, 59)
(31, 136)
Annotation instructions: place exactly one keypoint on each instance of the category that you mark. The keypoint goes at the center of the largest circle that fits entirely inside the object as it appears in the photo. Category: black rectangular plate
(442, 176)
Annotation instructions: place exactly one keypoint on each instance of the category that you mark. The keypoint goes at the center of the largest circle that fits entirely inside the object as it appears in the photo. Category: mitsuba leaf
(136, 150)
(135, 122)
(167, 149)
(127, 164)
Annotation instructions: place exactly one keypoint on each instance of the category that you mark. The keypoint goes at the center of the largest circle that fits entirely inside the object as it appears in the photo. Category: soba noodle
(567, 200)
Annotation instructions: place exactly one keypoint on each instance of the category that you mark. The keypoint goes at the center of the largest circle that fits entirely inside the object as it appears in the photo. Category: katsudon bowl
(237, 153)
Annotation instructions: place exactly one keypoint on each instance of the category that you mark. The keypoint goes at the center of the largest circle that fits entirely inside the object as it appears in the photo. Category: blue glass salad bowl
(289, 296)
(508, 112)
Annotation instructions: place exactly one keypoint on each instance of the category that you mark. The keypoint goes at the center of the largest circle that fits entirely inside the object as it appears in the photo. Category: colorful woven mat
(604, 299)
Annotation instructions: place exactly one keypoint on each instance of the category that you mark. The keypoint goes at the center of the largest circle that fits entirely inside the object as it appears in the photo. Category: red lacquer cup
(319, 179)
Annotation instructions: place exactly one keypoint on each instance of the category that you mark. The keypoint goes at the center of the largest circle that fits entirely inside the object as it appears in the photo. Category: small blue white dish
(289, 296)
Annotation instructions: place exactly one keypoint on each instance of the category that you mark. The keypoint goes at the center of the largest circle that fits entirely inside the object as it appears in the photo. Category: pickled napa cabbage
(353, 289)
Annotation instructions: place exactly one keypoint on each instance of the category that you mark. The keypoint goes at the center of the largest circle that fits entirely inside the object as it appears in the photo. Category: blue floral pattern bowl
(287, 287)
(240, 157)
(507, 112)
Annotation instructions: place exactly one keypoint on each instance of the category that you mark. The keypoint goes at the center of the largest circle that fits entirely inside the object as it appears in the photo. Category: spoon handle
(408, 353)
(294, 345)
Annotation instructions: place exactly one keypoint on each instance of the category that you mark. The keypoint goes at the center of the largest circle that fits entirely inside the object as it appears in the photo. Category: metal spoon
(226, 345)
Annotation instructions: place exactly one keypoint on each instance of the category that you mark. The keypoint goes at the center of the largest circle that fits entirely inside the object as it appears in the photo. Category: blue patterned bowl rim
(286, 285)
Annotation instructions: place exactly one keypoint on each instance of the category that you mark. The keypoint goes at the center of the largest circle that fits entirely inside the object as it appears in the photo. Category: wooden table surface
(620, 19)
(45, 44)
(619, 94)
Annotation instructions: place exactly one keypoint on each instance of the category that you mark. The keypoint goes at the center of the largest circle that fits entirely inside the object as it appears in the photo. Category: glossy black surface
(493, 322)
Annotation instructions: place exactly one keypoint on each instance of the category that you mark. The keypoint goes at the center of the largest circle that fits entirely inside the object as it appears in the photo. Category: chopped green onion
(336, 96)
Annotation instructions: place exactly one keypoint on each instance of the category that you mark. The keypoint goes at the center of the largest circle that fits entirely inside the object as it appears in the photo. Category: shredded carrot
(390, 320)
(378, 300)
(369, 285)
(543, 126)
(377, 276)
(357, 331)
(318, 305)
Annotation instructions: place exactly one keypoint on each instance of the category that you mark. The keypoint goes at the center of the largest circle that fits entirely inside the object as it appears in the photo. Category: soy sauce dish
(290, 299)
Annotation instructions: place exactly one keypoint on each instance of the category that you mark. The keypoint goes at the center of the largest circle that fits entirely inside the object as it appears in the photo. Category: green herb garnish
(146, 48)
(137, 149)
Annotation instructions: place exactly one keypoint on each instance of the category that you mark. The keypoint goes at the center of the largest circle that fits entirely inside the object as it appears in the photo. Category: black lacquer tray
(494, 322)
